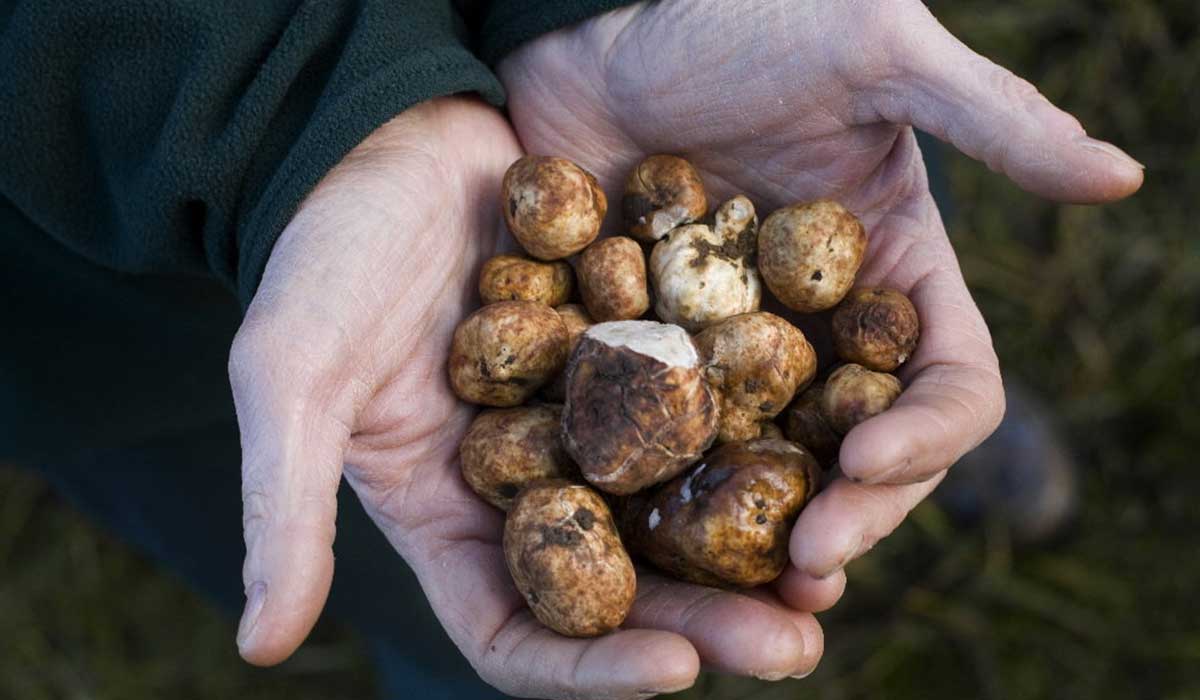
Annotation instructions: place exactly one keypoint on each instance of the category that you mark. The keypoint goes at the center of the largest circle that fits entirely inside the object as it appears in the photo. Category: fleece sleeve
(177, 137)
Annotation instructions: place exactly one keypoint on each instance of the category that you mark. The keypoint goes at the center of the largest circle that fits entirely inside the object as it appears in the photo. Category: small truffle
(876, 328)
(552, 206)
(809, 254)
(661, 193)
(566, 559)
(513, 278)
(506, 449)
(612, 279)
(755, 363)
(504, 352)
(854, 393)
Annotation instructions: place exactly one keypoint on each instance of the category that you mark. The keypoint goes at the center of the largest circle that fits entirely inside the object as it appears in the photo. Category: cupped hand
(792, 101)
(339, 370)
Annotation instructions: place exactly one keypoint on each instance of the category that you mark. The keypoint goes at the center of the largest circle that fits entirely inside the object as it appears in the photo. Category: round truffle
(638, 409)
(612, 279)
(755, 363)
(506, 449)
(504, 352)
(808, 254)
(552, 206)
(876, 328)
(661, 193)
(513, 278)
(854, 393)
(566, 559)
(727, 521)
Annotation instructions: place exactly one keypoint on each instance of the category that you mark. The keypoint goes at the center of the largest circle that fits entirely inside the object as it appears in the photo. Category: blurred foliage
(1096, 309)
(81, 616)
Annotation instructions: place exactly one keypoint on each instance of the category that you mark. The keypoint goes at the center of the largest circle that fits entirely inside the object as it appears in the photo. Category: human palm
(341, 361)
(794, 101)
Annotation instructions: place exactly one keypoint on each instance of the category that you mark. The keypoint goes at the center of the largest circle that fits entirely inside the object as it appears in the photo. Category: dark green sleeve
(503, 25)
(177, 137)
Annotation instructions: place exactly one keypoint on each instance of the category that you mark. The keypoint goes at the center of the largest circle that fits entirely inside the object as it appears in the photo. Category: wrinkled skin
(562, 548)
(790, 101)
(507, 449)
(726, 522)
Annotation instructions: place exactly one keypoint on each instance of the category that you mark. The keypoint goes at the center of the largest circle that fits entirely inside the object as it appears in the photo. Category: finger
(810, 629)
(954, 397)
(847, 519)
(732, 632)
(801, 591)
(990, 114)
(456, 553)
(291, 466)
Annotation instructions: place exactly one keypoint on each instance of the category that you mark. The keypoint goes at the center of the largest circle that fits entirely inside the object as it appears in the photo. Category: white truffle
(703, 275)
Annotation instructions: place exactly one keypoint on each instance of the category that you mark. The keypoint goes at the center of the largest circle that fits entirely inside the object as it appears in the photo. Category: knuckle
(1012, 88)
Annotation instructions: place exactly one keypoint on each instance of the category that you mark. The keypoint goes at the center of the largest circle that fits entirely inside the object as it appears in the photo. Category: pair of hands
(338, 368)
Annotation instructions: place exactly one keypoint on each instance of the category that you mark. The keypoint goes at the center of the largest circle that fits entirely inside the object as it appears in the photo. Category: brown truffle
(727, 521)
(854, 393)
(552, 206)
(612, 279)
(808, 254)
(566, 559)
(504, 352)
(754, 363)
(876, 328)
(506, 449)
(661, 193)
(513, 278)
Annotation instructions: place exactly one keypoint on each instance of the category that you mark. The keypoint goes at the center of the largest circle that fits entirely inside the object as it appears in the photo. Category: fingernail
(1108, 149)
(256, 596)
(806, 674)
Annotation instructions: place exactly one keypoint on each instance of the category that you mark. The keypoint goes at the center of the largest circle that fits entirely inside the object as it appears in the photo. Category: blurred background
(1095, 310)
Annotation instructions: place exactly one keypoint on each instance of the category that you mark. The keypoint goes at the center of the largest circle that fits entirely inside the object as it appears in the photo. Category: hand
(341, 361)
(791, 101)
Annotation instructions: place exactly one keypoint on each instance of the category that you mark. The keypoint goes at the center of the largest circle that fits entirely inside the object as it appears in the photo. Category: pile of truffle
(661, 398)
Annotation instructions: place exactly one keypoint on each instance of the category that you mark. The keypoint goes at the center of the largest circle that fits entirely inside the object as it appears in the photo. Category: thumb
(994, 116)
(291, 467)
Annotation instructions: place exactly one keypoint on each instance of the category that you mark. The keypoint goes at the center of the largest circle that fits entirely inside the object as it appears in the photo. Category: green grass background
(1097, 309)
